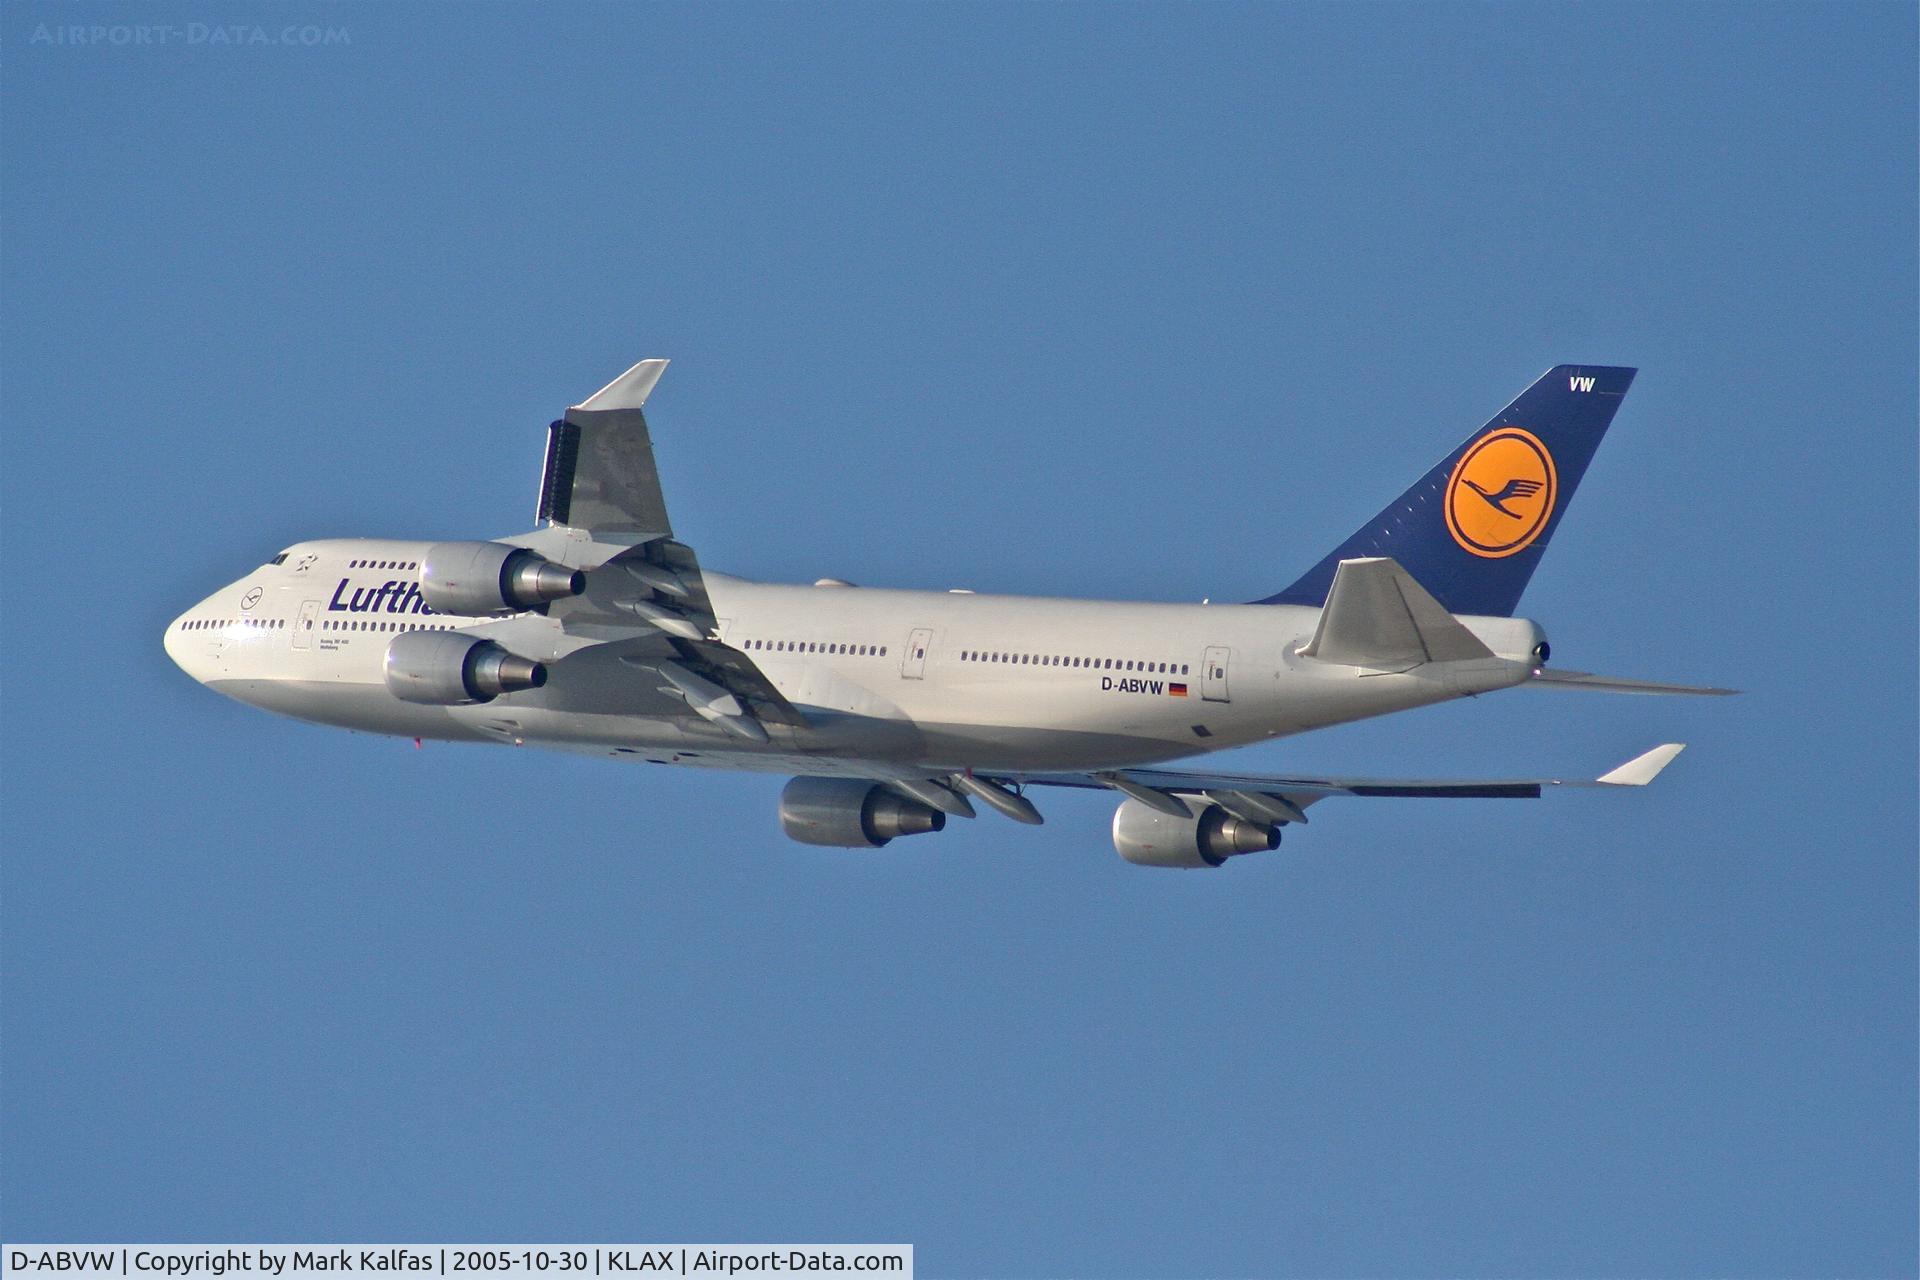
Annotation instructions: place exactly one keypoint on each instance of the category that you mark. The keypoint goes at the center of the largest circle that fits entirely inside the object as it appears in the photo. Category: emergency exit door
(304, 624)
(913, 664)
(1213, 675)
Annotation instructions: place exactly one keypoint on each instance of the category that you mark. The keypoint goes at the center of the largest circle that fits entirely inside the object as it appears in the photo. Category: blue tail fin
(1473, 529)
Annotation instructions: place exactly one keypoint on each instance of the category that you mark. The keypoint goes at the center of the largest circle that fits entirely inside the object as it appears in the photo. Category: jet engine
(851, 813)
(1206, 837)
(469, 579)
(443, 669)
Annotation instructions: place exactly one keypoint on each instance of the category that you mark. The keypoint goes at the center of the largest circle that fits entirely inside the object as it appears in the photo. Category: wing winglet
(628, 391)
(1643, 768)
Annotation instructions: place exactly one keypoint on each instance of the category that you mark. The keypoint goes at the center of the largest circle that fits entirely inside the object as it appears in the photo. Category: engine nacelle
(851, 813)
(1206, 837)
(471, 579)
(442, 669)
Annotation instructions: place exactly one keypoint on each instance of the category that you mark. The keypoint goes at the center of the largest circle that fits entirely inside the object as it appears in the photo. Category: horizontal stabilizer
(1377, 616)
(1609, 684)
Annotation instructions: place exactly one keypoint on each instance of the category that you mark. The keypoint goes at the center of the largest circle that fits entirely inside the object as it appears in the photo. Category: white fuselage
(907, 681)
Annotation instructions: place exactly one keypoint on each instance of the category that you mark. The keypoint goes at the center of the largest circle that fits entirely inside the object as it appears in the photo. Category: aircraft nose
(185, 646)
(175, 641)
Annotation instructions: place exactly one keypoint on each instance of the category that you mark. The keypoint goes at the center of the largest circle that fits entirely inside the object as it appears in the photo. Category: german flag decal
(1177, 690)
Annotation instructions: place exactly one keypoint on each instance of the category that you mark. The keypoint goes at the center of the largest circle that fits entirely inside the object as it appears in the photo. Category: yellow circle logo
(1501, 494)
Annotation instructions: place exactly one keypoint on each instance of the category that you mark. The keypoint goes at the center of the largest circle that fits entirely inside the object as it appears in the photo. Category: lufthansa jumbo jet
(600, 633)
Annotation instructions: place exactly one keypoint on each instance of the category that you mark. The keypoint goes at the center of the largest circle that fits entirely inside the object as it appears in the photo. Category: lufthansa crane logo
(1501, 494)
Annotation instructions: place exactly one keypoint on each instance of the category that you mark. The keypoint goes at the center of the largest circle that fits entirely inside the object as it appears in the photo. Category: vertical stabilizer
(1473, 529)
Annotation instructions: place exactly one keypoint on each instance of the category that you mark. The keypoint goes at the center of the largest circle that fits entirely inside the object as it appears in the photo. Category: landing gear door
(304, 624)
(913, 665)
(1213, 675)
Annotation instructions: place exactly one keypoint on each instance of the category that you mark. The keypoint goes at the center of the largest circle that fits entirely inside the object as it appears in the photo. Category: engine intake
(851, 813)
(441, 669)
(471, 579)
(1206, 837)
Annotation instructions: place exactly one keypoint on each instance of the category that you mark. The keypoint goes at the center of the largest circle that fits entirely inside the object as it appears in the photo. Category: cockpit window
(279, 559)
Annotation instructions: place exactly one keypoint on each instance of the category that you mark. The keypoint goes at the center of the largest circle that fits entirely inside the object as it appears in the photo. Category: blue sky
(1146, 302)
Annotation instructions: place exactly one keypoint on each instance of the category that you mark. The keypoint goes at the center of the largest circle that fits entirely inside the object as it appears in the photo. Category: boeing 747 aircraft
(600, 633)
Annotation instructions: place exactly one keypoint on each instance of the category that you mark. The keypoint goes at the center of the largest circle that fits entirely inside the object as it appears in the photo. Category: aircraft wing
(647, 603)
(1259, 792)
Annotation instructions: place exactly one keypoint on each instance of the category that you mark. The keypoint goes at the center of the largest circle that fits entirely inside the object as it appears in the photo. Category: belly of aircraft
(831, 744)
